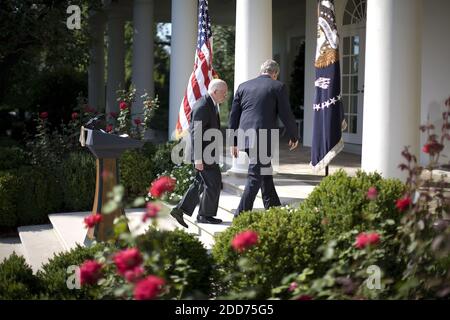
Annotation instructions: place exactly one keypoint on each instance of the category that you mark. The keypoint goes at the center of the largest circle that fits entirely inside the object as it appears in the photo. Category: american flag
(203, 71)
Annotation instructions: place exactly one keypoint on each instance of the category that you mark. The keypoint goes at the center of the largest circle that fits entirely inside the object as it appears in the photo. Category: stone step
(229, 201)
(10, 245)
(290, 191)
(205, 231)
(40, 243)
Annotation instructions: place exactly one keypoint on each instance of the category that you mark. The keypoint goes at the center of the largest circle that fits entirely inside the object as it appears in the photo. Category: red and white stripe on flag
(203, 71)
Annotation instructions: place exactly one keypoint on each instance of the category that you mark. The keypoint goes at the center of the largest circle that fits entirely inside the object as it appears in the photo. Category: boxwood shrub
(54, 274)
(178, 244)
(78, 181)
(17, 280)
(342, 203)
(288, 242)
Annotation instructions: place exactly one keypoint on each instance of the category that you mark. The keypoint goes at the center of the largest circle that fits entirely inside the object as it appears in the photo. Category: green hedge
(27, 195)
(12, 158)
(9, 191)
(136, 173)
(162, 158)
(39, 194)
(290, 238)
(55, 274)
(342, 202)
(181, 245)
(288, 242)
(77, 175)
(17, 280)
(138, 168)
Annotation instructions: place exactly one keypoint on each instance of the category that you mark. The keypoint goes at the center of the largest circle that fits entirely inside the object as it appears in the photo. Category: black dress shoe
(205, 219)
(178, 214)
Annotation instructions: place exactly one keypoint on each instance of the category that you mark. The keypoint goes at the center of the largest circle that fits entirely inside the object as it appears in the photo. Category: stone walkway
(296, 163)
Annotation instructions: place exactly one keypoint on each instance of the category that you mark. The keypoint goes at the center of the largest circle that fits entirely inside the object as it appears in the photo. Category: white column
(182, 53)
(392, 84)
(142, 67)
(116, 59)
(96, 71)
(253, 46)
(310, 55)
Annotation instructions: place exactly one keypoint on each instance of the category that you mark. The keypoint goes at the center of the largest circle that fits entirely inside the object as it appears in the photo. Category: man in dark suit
(208, 180)
(257, 104)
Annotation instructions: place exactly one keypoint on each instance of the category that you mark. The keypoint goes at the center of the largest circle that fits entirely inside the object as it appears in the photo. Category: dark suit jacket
(204, 111)
(257, 104)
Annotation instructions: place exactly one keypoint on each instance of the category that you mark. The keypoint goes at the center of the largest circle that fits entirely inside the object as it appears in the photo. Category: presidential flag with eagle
(329, 120)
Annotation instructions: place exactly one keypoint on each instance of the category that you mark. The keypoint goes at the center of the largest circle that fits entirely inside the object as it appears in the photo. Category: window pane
(353, 120)
(346, 69)
(354, 105)
(345, 84)
(355, 45)
(354, 84)
(346, 45)
(355, 63)
(345, 104)
(350, 6)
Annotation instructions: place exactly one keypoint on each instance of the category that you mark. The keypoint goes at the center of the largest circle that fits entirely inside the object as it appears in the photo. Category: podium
(106, 148)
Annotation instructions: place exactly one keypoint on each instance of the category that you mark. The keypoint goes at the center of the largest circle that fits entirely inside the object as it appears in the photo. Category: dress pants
(205, 190)
(255, 181)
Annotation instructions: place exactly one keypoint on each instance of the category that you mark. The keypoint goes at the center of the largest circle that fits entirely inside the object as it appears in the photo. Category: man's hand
(234, 151)
(292, 145)
(199, 166)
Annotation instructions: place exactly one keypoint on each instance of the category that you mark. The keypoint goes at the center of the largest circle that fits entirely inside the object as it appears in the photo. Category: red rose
(74, 115)
(90, 272)
(151, 211)
(162, 185)
(109, 128)
(363, 240)
(137, 121)
(403, 203)
(372, 193)
(244, 240)
(91, 220)
(43, 115)
(127, 260)
(148, 288)
(123, 105)
(304, 297)
(113, 114)
(432, 147)
(134, 275)
(373, 238)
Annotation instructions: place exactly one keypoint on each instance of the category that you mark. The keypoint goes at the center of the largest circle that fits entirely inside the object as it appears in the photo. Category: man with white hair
(208, 179)
(256, 107)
